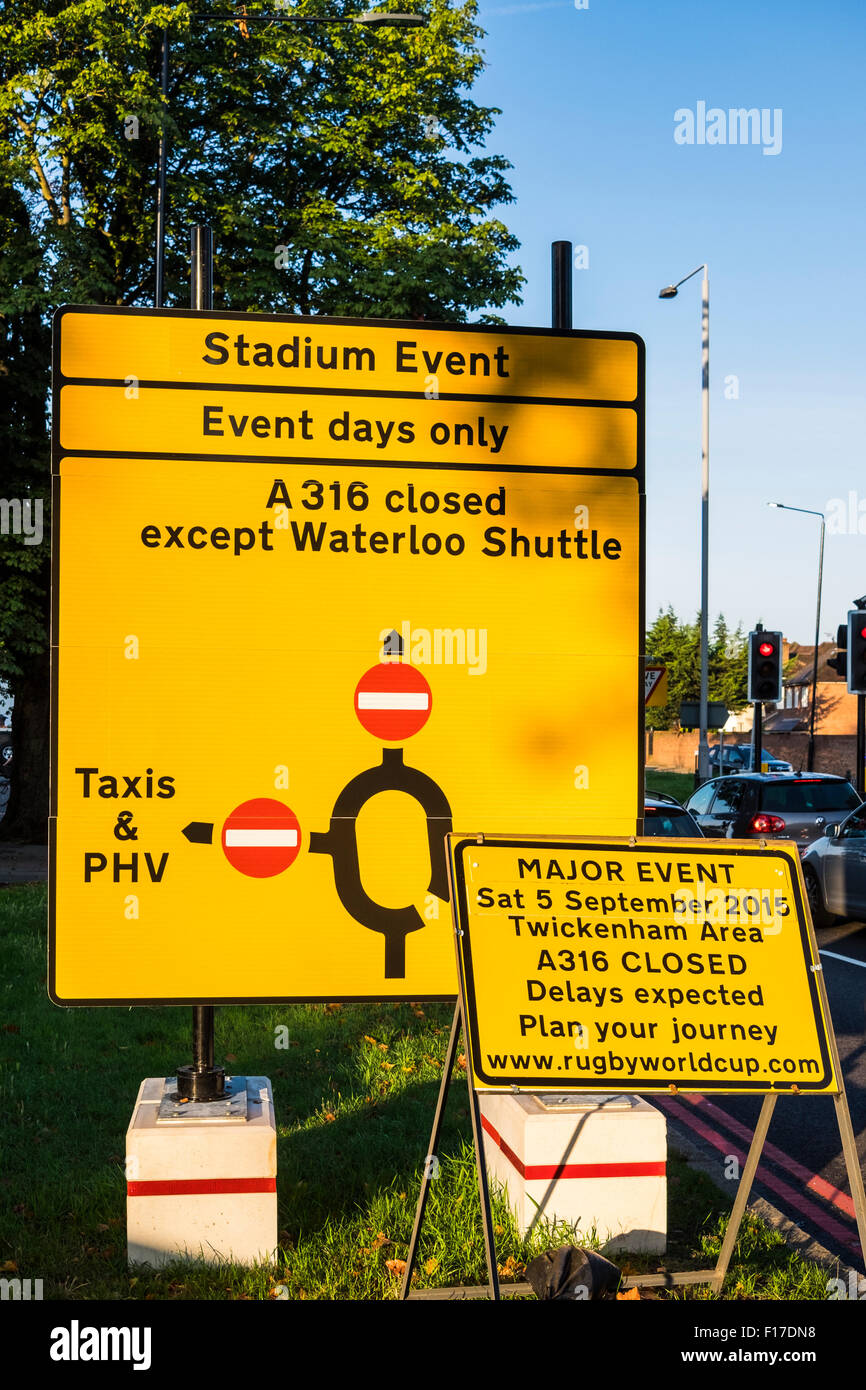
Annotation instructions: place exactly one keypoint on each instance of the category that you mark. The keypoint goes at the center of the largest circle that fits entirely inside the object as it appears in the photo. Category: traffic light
(839, 659)
(857, 653)
(765, 666)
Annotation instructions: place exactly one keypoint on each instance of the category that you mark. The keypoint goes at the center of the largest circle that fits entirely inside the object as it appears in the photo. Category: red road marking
(393, 701)
(840, 1233)
(574, 1170)
(818, 1185)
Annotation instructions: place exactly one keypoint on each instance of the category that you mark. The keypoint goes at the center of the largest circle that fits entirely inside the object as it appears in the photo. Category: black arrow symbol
(393, 644)
(199, 832)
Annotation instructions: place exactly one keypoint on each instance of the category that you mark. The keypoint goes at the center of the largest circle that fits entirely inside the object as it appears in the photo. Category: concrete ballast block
(203, 1189)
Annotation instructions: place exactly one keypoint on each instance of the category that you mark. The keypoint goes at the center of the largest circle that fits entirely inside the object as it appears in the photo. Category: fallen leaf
(10, 1267)
(380, 1240)
(430, 1266)
(387, 1066)
(511, 1268)
(330, 1116)
(461, 1062)
(368, 1039)
(396, 1266)
(230, 1057)
(629, 1293)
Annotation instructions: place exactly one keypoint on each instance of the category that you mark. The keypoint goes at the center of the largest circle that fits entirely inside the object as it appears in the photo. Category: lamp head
(380, 18)
(669, 292)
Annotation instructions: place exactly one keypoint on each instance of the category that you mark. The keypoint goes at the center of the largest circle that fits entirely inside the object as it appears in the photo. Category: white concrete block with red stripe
(202, 1189)
(593, 1162)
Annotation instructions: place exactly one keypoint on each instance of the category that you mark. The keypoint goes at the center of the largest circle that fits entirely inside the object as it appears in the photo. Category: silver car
(834, 868)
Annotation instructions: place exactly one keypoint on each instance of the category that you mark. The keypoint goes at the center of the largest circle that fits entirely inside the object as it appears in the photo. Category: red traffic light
(766, 649)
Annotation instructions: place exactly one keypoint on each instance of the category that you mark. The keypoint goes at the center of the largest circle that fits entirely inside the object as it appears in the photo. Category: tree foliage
(678, 646)
(342, 170)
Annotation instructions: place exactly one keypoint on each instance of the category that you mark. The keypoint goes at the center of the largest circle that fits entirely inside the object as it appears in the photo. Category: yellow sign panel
(292, 354)
(612, 965)
(279, 680)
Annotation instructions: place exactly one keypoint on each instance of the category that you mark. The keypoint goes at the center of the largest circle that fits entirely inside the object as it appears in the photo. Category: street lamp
(810, 756)
(370, 19)
(669, 292)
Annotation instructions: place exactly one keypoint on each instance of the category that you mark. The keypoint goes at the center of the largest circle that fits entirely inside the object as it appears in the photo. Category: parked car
(663, 815)
(737, 757)
(834, 868)
(772, 806)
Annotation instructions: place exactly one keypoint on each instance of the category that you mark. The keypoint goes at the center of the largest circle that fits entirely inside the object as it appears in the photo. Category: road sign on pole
(655, 685)
(358, 573)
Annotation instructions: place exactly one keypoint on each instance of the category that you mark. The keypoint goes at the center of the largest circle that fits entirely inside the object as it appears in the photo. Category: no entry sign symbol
(261, 837)
(393, 701)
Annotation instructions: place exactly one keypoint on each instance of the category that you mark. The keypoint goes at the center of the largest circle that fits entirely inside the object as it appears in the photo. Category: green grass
(355, 1090)
(676, 784)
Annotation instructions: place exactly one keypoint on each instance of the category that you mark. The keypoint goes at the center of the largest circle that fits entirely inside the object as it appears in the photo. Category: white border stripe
(261, 839)
(387, 699)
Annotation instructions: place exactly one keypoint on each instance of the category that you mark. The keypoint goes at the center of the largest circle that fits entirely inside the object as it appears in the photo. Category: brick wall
(833, 752)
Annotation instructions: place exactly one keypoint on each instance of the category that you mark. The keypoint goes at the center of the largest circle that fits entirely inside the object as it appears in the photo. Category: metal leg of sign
(843, 1114)
(430, 1171)
(431, 1162)
(483, 1189)
(852, 1164)
(748, 1177)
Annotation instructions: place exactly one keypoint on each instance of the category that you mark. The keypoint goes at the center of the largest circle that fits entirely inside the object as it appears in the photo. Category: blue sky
(588, 100)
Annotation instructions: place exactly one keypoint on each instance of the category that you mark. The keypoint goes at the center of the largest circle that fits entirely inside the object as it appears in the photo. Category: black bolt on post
(201, 1081)
(561, 282)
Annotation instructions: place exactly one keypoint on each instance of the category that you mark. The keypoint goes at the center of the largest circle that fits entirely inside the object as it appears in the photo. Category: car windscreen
(668, 821)
(793, 796)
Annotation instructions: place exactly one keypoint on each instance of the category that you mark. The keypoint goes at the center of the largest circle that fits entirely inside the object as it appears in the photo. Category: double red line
(682, 1111)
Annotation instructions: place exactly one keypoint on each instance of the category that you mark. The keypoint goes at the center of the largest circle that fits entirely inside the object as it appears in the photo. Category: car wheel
(820, 916)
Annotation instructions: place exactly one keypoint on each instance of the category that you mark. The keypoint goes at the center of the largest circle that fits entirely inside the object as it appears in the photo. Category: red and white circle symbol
(393, 701)
(261, 837)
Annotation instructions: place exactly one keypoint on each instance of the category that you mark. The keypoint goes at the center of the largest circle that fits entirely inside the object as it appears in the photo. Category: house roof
(804, 658)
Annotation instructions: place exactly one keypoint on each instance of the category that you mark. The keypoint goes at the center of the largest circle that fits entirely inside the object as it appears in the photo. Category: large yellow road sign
(321, 589)
(625, 965)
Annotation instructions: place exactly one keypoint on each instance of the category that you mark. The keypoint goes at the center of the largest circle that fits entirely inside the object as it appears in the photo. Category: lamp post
(370, 19)
(783, 506)
(669, 292)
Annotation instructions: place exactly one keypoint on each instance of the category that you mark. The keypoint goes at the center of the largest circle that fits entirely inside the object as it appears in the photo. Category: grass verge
(355, 1089)
(676, 784)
